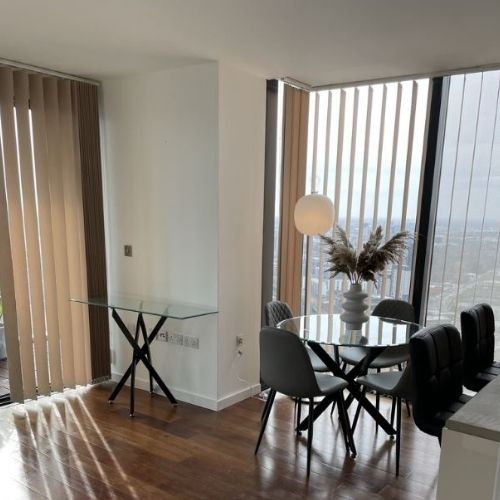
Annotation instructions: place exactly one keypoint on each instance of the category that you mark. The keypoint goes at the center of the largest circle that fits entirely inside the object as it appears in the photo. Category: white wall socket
(175, 338)
(193, 342)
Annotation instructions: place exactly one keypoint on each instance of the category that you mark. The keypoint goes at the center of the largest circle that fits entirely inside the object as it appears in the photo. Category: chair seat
(317, 364)
(435, 424)
(478, 381)
(392, 356)
(384, 383)
(328, 384)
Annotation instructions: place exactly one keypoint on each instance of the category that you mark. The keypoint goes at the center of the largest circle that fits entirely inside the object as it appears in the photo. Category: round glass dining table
(373, 337)
(329, 329)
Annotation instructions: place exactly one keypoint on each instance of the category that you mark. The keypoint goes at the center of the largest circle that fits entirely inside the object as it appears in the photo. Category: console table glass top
(163, 308)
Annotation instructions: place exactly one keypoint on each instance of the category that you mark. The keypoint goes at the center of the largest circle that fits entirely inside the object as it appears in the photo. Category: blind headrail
(391, 79)
(47, 72)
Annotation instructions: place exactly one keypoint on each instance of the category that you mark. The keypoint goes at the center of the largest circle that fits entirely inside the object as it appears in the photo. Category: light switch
(127, 250)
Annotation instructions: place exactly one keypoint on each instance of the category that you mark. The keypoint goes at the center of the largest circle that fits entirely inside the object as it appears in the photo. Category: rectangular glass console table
(162, 310)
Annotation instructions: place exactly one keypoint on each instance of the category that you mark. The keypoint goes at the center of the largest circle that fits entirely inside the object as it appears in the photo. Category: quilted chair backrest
(478, 336)
(276, 311)
(437, 368)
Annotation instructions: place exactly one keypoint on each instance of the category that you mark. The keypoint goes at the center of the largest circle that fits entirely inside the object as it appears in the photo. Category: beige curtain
(295, 119)
(42, 245)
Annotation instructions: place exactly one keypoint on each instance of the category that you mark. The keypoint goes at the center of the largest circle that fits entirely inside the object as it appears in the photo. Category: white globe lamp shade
(314, 214)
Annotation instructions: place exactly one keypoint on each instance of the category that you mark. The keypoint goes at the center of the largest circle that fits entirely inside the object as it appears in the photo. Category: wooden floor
(4, 378)
(77, 446)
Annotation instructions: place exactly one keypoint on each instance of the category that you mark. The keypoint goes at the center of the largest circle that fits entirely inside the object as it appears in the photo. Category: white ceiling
(314, 41)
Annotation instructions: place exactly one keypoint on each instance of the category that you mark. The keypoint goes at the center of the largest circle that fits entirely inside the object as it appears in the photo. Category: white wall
(242, 100)
(161, 186)
(184, 173)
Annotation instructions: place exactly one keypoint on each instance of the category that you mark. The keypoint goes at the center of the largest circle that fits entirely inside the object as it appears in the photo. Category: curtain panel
(295, 122)
(43, 246)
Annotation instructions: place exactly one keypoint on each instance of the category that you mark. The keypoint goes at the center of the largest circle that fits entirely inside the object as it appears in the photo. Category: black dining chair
(396, 385)
(478, 337)
(275, 312)
(437, 363)
(392, 356)
(286, 368)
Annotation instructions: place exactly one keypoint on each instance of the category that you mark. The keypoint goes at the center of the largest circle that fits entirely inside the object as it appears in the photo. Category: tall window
(365, 150)
(465, 259)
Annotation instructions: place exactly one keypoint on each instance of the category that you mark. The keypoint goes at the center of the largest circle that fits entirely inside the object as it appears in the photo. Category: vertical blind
(43, 245)
(365, 149)
(465, 266)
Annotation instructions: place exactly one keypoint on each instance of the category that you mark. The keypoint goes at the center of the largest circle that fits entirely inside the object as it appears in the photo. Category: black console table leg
(148, 349)
(140, 354)
(134, 362)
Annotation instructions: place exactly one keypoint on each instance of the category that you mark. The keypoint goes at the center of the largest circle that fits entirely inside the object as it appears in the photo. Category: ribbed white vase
(354, 306)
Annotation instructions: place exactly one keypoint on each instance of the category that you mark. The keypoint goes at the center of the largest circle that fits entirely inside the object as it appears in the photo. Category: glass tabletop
(330, 329)
(169, 309)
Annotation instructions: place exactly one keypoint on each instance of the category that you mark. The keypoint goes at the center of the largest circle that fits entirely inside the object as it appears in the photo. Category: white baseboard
(197, 399)
(238, 396)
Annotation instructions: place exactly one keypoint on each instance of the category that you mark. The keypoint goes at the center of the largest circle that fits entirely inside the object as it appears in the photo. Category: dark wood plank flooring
(77, 446)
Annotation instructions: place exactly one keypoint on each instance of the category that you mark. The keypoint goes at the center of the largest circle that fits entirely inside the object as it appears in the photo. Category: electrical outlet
(162, 336)
(175, 338)
(193, 342)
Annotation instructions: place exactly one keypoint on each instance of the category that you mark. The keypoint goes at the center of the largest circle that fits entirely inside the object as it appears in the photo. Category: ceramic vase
(354, 307)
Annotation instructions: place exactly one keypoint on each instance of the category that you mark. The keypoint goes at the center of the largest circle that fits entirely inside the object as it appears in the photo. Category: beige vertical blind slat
(72, 227)
(59, 229)
(296, 113)
(352, 167)
(83, 288)
(40, 149)
(16, 223)
(21, 91)
(392, 176)
(8, 292)
(352, 161)
(365, 169)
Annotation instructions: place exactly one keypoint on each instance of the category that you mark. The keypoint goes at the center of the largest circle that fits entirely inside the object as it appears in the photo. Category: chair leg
(333, 407)
(310, 435)
(342, 423)
(398, 433)
(393, 410)
(299, 412)
(358, 411)
(408, 407)
(272, 394)
(377, 402)
(266, 405)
